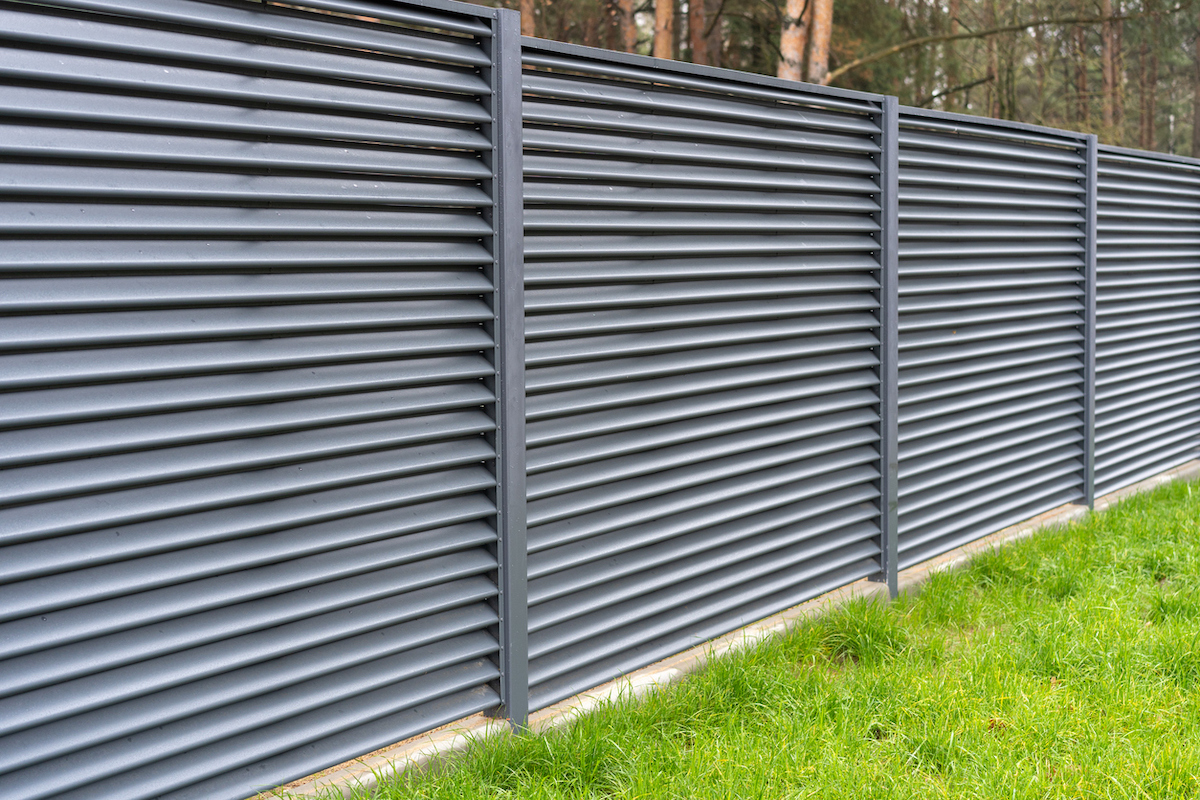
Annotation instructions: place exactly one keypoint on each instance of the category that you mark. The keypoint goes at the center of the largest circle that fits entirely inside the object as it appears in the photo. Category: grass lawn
(1066, 665)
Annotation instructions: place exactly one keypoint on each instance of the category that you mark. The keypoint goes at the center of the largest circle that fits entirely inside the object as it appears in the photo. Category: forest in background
(1126, 70)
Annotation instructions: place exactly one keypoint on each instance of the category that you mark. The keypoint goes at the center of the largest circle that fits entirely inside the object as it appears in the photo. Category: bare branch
(949, 37)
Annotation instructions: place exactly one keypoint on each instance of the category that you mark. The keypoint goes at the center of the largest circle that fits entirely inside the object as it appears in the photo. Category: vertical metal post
(889, 346)
(1089, 317)
(509, 334)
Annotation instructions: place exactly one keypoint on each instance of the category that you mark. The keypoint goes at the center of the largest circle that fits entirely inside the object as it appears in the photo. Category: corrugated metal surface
(246, 524)
(1148, 316)
(702, 262)
(992, 246)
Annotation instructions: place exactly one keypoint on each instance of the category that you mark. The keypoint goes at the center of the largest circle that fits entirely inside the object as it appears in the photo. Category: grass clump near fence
(1064, 665)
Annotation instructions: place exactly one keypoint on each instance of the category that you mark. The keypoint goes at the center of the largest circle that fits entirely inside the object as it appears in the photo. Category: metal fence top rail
(696, 76)
(1142, 155)
(1025, 131)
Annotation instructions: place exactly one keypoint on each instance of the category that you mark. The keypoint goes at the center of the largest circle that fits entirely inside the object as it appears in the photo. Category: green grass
(1065, 665)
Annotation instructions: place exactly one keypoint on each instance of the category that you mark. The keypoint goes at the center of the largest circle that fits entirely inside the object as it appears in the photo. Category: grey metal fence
(254, 278)
(993, 261)
(702, 264)
(1147, 315)
(267, 315)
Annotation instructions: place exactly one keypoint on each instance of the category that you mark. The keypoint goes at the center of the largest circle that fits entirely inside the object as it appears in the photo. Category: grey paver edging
(432, 749)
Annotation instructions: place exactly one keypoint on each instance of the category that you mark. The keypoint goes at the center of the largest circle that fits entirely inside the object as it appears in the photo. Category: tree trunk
(713, 43)
(1081, 77)
(952, 74)
(1118, 80)
(628, 26)
(1150, 93)
(993, 57)
(528, 22)
(1196, 95)
(696, 25)
(1108, 65)
(664, 28)
(793, 40)
(820, 35)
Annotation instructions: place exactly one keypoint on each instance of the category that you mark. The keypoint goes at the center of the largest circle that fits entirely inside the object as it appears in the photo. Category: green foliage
(1065, 665)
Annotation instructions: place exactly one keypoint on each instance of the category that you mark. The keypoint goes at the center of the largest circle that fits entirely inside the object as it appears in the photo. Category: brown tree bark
(628, 26)
(713, 41)
(696, 27)
(993, 57)
(1196, 95)
(951, 103)
(1150, 92)
(819, 37)
(1081, 76)
(793, 40)
(528, 21)
(1108, 65)
(664, 28)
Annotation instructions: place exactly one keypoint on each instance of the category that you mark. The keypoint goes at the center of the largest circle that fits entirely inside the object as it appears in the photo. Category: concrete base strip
(431, 750)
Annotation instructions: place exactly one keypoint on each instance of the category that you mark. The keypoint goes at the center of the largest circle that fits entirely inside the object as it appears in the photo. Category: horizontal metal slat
(574, 527)
(625, 492)
(586, 619)
(624, 370)
(213, 760)
(689, 406)
(586, 450)
(539, 221)
(619, 468)
(127, 612)
(978, 525)
(579, 323)
(992, 143)
(544, 352)
(109, 293)
(49, 32)
(1065, 480)
(680, 638)
(539, 114)
(543, 193)
(805, 517)
(73, 514)
(172, 394)
(130, 184)
(112, 717)
(118, 667)
(191, 256)
(627, 171)
(259, 571)
(658, 294)
(966, 488)
(583, 272)
(115, 76)
(157, 536)
(83, 109)
(638, 393)
(301, 25)
(162, 221)
(176, 151)
(750, 514)
(662, 150)
(987, 455)
(742, 584)
(587, 89)
(96, 474)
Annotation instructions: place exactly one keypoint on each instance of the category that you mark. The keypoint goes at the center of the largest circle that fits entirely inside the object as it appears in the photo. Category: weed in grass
(1065, 665)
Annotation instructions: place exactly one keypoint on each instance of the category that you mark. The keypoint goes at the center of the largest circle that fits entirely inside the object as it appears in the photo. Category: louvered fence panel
(702, 275)
(247, 524)
(1147, 315)
(992, 316)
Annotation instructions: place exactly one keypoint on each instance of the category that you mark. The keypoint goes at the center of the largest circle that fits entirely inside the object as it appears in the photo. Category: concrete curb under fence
(274, 278)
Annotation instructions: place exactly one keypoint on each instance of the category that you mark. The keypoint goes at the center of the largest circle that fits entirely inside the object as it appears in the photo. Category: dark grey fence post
(889, 336)
(509, 335)
(1089, 337)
